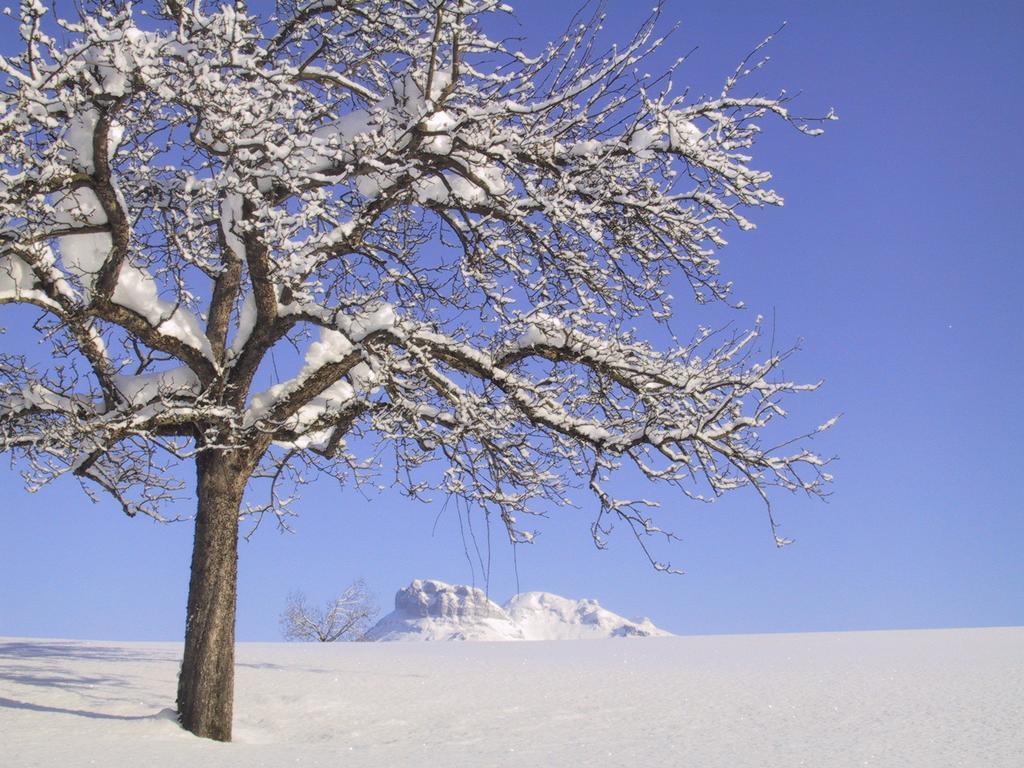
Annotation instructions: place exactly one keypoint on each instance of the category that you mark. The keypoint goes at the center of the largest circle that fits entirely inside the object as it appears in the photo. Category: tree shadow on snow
(59, 678)
(164, 714)
(51, 665)
(68, 649)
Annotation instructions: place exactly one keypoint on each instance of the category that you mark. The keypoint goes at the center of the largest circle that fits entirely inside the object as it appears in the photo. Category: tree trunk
(206, 683)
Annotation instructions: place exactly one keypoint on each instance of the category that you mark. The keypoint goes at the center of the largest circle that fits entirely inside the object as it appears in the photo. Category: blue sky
(896, 260)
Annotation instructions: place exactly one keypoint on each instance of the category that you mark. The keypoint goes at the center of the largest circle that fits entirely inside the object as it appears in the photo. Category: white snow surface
(432, 610)
(933, 698)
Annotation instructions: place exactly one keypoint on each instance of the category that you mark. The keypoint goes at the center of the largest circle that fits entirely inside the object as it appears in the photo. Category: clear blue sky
(897, 259)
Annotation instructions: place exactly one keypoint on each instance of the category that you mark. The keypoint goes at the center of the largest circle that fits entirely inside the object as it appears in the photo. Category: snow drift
(433, 610)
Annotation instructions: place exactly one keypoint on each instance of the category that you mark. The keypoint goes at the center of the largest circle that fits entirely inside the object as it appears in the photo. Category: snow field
(915, 698)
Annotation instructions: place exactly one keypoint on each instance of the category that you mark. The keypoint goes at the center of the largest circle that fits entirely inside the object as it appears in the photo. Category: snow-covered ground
(916, 698)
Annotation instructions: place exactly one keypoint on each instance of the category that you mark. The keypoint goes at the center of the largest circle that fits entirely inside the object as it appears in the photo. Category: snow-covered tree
(452, 240)
(347, 617)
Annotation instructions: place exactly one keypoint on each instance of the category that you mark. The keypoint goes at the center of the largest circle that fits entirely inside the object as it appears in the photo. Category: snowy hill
(433, 610)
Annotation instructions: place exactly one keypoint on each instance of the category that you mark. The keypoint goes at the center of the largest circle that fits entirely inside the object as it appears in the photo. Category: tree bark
(206, 682)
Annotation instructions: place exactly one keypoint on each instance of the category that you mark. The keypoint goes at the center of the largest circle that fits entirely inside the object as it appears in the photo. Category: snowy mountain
(543, 616)
(434, 610)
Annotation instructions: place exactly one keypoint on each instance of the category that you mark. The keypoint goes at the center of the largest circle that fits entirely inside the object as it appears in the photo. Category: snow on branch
(451, 233)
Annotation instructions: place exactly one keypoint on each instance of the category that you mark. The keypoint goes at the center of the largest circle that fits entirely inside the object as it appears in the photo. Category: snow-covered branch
(453, 234)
